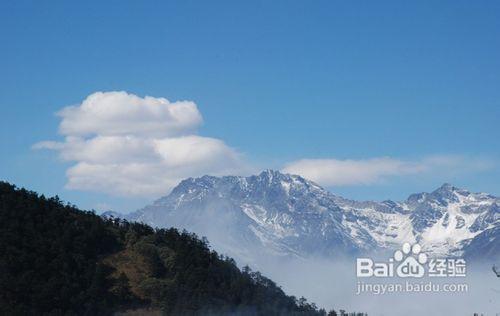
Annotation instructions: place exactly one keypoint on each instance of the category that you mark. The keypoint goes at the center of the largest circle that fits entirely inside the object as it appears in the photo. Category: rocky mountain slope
(286, 215)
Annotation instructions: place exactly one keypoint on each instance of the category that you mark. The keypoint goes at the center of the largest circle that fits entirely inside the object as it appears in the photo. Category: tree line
(58, 260)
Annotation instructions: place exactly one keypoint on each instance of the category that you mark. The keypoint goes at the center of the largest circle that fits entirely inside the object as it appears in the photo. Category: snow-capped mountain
(444, 221)
(286, 215)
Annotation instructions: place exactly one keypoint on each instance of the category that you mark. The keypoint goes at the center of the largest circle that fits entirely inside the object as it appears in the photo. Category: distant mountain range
(286, 215)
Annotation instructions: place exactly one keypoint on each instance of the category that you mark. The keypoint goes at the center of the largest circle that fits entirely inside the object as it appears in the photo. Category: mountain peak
(268, 178)
(204, 181)
(448, 189)
(271, 174)
(273, 177)
(270, 171)
(447, 186)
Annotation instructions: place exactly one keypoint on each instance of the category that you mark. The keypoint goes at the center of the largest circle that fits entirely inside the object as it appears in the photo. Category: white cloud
(335, 172)
(121, 113)
(194, 150)
(127, 145)
(349, 172)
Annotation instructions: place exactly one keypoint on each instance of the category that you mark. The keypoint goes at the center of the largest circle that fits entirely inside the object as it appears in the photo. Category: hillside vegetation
(58, 260)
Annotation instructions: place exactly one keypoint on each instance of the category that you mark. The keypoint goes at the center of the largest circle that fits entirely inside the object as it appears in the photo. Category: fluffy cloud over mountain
(127, 145)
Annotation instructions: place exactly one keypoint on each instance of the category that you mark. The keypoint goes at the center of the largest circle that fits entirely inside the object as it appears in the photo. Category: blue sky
(276, 81)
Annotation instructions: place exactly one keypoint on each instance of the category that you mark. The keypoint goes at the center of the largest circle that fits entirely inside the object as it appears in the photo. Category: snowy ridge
(441, 221)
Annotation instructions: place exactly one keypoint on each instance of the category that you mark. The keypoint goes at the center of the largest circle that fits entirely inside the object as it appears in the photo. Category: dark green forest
(58, 260)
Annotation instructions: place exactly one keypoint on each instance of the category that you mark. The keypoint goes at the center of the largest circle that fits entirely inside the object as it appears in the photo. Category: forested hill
(58, 260)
